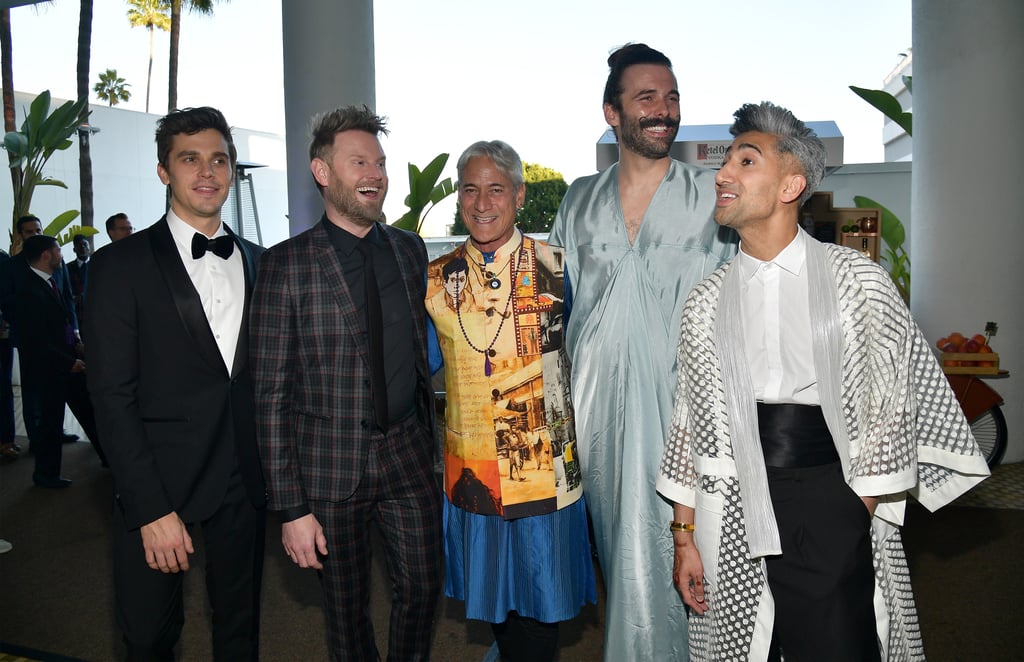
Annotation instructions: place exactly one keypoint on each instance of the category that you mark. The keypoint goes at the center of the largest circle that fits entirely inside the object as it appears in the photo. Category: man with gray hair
(516, 539)
(808, 406)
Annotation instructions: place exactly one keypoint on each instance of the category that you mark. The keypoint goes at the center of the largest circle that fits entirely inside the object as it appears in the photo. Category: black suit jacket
(174, 423)
(43, 319)
(14, 272)
(78, 277)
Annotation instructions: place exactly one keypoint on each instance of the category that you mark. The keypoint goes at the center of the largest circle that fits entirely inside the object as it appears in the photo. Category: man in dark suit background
(12, 274)
(167, 340)
(345, 409)
(78, 272)
(51, 367)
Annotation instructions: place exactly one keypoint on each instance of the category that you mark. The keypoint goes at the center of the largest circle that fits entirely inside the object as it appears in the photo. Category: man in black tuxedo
(167, 339)
(51, 367)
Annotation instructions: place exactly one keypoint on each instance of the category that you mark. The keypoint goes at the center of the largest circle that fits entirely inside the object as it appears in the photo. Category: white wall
(967, 208)
(124, 174)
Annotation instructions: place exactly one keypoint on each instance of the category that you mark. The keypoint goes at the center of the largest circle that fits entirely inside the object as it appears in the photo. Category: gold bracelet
(681, 526)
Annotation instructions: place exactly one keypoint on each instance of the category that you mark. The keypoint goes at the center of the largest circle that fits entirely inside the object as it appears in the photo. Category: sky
(531, 72)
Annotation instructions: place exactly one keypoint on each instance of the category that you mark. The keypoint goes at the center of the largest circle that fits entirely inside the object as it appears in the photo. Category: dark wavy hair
(622, 59)
(191, 121)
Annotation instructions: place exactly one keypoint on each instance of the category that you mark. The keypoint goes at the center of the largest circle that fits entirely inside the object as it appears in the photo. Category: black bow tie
(220, 246)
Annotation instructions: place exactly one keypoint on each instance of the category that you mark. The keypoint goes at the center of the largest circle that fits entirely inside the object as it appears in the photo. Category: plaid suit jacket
(311, 366)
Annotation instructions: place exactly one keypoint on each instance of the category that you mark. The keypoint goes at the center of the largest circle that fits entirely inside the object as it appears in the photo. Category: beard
(635, 140)
(347, 203)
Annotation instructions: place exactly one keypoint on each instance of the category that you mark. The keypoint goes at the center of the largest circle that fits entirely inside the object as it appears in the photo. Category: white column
(968, 211)
(328, 63)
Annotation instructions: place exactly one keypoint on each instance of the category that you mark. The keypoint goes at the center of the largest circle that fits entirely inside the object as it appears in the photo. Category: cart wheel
(989, 431)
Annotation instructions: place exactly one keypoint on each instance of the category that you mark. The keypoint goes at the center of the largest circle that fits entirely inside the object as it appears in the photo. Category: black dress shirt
(399, 354)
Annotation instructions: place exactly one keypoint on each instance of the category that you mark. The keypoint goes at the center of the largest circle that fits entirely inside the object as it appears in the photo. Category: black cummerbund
(794, 436)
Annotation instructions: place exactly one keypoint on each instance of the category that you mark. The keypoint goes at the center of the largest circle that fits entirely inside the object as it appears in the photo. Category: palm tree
(152, 15)
(7, 69)
(112, 88)
(198, 7)
(84, 156)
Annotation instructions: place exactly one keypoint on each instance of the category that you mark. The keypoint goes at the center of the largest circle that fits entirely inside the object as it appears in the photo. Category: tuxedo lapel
(186, 299)
(249, 270)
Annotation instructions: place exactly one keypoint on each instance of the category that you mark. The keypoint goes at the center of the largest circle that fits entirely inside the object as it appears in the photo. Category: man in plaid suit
(345, 423)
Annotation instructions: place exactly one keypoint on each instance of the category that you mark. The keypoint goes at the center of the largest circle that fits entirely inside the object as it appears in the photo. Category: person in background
(9, 449)
(78, 272)
(637, 237)
(809, 405)
(51, 364)
(517, 551)
(167, 337)
(13, 273)
(345, 408)
(119, 227)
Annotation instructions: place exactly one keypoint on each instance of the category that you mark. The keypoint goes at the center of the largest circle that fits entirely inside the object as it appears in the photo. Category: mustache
(669, 122)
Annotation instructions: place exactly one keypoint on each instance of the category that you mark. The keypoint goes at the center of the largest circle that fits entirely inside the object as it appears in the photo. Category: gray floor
(64, 533)
(55, 589)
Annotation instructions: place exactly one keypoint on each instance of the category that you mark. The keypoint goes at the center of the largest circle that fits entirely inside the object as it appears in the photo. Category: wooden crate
(992, 358)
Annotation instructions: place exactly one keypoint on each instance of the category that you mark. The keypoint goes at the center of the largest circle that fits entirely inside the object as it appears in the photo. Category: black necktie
(375, 332)
(220, 246)
(56, 292)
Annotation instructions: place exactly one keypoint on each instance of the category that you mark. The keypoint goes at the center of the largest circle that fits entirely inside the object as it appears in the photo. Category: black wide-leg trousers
(823, 583)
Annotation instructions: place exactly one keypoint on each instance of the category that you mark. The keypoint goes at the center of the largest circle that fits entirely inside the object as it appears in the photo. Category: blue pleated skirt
(539, 567)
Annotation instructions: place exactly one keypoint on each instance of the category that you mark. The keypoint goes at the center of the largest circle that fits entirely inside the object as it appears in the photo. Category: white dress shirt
(220, 284)
(777, 326)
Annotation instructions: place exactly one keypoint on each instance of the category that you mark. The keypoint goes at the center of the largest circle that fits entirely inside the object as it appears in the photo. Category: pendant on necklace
(487, 366)
(492, 279)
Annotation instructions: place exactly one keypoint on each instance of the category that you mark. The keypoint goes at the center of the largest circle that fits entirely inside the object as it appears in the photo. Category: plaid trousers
(398, 492)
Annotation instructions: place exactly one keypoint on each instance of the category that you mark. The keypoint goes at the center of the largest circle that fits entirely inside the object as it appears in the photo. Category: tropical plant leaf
(424, 190)
(433, 170)
(50, 181)
(73, 231)
(408, 221)
(37, 112)
(888, 104)
(16, 145)
(442, 191)
(57, 225)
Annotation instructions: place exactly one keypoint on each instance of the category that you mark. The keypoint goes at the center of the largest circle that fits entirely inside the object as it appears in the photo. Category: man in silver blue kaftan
(637, 238)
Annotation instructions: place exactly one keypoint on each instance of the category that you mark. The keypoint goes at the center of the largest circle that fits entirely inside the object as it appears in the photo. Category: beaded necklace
(488, 351)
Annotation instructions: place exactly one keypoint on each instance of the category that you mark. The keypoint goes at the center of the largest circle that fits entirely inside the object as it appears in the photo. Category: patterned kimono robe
(898, 430)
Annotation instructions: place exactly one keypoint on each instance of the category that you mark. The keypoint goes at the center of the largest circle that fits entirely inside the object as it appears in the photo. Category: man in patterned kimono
(808, 406)
(637, 237)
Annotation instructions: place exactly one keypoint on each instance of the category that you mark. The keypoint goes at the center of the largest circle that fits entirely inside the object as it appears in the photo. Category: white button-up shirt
(777, 326)
(220, 284)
